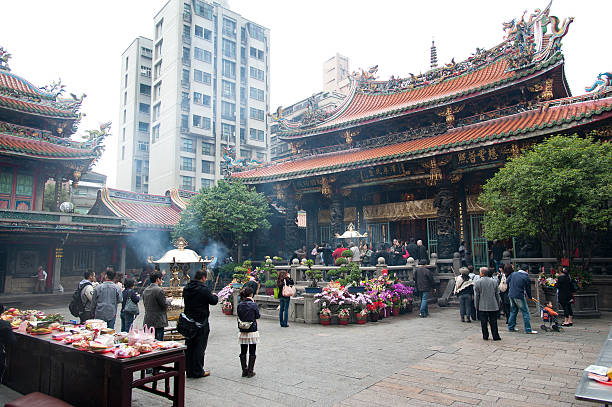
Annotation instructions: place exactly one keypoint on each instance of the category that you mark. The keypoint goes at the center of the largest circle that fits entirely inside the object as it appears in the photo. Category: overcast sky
(81, 41)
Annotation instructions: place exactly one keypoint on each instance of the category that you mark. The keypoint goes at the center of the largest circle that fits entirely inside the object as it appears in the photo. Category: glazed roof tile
(363, 108)
(33, 144)
(145, 210)
(32, 107)
(22, 86)
(570, 112)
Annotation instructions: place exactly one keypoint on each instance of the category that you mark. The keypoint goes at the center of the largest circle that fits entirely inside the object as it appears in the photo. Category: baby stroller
(549, 317)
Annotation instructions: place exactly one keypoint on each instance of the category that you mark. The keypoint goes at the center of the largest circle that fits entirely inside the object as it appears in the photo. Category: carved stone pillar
(336, 209)
(448, 242)
(57, 196)
(291, 228)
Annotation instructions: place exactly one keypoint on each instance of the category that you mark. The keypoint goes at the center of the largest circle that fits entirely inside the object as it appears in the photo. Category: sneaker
(531, 332)
(512, 330)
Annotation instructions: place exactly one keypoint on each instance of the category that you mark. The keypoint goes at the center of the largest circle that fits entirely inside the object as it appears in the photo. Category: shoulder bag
(244, 325)
(503, 285)
(188, 327)
(131, 307)
(288, 291)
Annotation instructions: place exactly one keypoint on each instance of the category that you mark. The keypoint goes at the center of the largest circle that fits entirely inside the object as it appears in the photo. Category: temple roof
(544, 118)
(18, 94)
(28, 142)
(143, 210)
(361, 108)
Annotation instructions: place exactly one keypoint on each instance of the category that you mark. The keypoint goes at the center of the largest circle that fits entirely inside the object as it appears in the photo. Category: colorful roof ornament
(602, 84)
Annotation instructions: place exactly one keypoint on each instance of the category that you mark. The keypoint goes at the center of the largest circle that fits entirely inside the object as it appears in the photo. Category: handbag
(288, 291)
(244, 325)
(131, 307)
(188, 327)
(503, 286)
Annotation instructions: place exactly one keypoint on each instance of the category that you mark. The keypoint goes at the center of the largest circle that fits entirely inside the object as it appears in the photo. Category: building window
(155, 133)
(229, 27)
(256, 114)
(203, 9)
(256, 73)
(127, 62)
(123, 134)
(244, 153)
(228, 89)
(156, 111)
(208, 149)
(83, 259)
(25, 185)
(242, 135)
(208, 167)
(143, 145)
(184, 122)
(145, 71)
(158, 49)
(187, 183)
(201, 122)
(207, 35)
(158, 29)
(198, 31)
(243, 98)
(202, 55)
(229, 69)
(145, 90)
(256, 31)
(144, 108)
(228, 111)
(207, 183)
(124, 116)
(138, 181)
(143, 127)
(261, 156)
(125, 98)
(157, 70)
(187, 145)
(229, 48)
(257, 94)
(126, 80)
(257, 135)
(123, 152)
(256, 53)
(243, 77)
(228, 132)
(146, 52)
(157, 91)
(202, 77)
(186, 164)
(6, 182)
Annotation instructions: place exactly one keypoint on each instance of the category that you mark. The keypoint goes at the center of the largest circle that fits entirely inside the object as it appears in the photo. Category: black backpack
(76, 306)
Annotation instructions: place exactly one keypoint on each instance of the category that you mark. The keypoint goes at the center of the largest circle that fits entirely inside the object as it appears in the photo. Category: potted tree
(325, 316)
(314, 276)
(269, 285)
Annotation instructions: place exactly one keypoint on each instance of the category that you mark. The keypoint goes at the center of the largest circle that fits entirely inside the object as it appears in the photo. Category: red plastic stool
(37, 399)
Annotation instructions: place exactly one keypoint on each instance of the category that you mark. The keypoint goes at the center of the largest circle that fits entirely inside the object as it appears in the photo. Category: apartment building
(135, 116)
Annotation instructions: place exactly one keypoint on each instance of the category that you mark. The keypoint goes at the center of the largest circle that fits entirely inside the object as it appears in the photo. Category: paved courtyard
(404, 361)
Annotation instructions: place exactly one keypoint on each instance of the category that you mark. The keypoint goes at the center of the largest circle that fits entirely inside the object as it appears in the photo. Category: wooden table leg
(127, 378)
(179, 383)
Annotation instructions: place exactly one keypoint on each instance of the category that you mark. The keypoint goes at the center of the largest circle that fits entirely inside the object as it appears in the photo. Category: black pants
(491, 318)
(159, 333)
(194, 355)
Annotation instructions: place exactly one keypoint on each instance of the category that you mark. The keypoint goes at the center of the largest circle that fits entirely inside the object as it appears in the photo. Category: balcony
(146, 53)
(185, 83)
(184, 130)
(187, 39)
(186, 61)
(187, 17)
(185, 107)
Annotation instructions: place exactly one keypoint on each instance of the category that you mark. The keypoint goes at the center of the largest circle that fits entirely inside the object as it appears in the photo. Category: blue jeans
(111, 322)
(283, 314)
(424, 298)
(126, 321)
(517, 304)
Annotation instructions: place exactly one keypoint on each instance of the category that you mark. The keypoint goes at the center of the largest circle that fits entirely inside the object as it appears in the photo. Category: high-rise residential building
(209, 90)
(135, 116)
(336, 74)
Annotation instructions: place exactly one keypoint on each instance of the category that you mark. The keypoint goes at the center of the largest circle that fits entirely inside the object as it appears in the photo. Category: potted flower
(269, 285)
(325, 316)
(227, 307)
(373, 311)
(362, 316)
(314, 276)
(343, 316)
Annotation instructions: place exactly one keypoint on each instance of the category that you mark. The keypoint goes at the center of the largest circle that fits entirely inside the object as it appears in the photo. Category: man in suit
(486, 300)
(156, 306)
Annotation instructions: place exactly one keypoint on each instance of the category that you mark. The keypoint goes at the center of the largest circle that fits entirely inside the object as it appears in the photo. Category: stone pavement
(404, 361)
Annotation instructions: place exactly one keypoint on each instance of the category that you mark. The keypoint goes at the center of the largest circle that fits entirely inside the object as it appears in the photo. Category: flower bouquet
(362, 316)
(325, 316)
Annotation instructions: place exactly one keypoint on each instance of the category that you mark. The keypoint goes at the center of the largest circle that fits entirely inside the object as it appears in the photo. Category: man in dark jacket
(155, 305)
(197, 298)
(413, 249)
(519, 284)
(424, 282)
(327, 254)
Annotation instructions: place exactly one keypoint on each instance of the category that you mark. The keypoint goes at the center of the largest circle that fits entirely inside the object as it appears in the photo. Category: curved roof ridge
(26, 86)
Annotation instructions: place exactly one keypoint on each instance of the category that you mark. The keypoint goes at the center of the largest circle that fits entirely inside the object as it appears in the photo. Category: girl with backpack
(129, 305)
